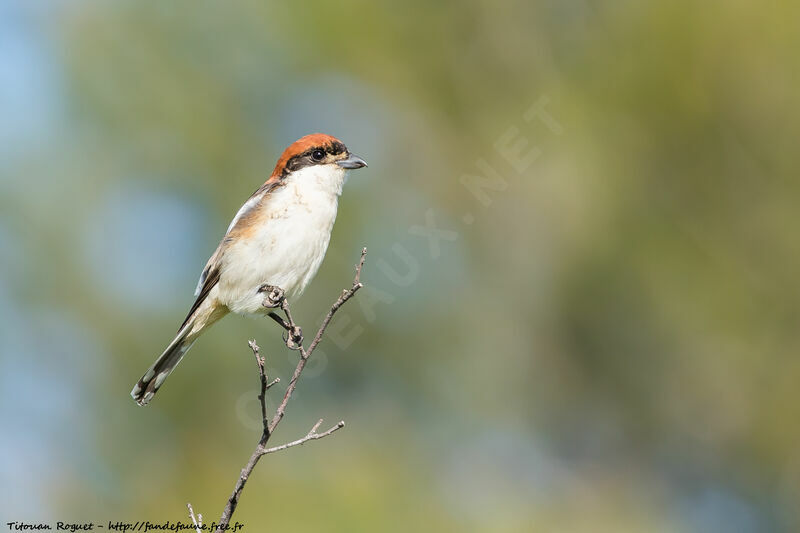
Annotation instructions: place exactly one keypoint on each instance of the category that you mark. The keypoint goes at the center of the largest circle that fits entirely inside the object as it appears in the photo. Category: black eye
(317, 155)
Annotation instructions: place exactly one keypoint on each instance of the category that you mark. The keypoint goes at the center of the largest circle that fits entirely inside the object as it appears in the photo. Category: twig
(198, 522)
(312, 435)
(294, 340)
(265, 386)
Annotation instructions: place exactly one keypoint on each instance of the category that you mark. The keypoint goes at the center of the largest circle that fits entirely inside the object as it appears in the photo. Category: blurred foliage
(608, 345)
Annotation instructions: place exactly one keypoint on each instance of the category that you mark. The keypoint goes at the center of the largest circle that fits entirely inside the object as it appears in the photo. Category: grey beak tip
(352, 161)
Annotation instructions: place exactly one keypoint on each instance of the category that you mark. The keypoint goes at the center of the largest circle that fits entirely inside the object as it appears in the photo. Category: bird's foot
(294, 338)
(285, 325)
(274, 298)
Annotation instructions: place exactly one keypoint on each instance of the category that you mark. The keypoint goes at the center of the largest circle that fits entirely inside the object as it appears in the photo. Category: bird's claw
(274, 298)
(294, 338)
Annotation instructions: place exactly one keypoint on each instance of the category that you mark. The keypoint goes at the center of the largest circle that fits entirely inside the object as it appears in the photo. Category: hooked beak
(352, 161)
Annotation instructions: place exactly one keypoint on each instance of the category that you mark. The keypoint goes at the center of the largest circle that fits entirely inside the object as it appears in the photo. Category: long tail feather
(148, 385)
(200, 319)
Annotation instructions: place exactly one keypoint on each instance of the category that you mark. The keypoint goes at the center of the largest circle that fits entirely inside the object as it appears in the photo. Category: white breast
(288, 243)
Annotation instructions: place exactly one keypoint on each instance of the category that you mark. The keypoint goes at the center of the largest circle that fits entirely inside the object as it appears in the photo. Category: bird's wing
(248, 206)
(211, 272)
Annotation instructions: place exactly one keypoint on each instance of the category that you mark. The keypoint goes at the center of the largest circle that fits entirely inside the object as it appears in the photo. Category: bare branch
(312, 435)
(262, 374)
(305, 354)
(275, 298)
(198, 522)
(360, 266)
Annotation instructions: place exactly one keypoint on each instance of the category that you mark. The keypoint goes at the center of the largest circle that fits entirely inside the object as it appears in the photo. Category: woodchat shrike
(278, 237)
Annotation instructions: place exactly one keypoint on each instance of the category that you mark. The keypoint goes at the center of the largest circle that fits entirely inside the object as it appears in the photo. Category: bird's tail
(148, 385)
(151, 381)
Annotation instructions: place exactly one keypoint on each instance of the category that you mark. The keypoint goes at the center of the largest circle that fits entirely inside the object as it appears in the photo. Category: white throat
(318, 179)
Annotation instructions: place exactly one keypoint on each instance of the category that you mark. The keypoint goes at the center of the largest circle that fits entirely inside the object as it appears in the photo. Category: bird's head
(326, 155)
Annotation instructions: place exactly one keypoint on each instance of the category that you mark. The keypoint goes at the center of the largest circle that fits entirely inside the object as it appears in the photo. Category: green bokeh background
(605, 339)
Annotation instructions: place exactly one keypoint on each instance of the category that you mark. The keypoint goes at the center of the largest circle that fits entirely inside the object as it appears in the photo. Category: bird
(278, 238)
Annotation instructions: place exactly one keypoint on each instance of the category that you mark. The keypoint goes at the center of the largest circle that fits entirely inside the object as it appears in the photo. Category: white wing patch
(251, 203)
(200, 282)
(248, 205)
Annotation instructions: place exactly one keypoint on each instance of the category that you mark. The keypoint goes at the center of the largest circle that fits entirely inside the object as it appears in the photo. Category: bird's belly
(285, 249)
